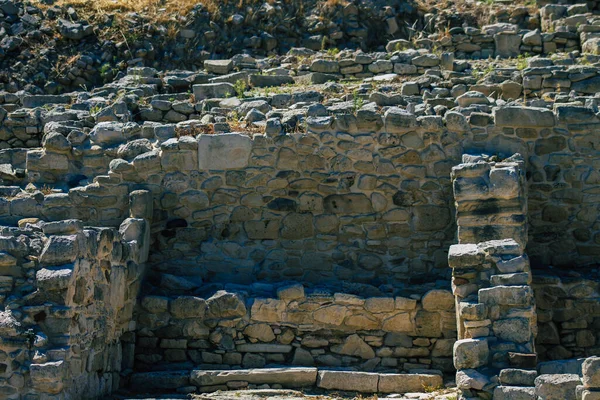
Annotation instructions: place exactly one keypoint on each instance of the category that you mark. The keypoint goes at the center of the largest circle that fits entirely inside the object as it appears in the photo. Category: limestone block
(9, 326)
(108, 133)
(223, 151)
(430, 218)
(404, 383)
(48, 377)
(267, 310)
(465, 256)
(331, 315)
(220, 67)
(501, 247)
(514, 393)
(60, 250)
(506, 296)
(291, 292)
(401, 322)
(507, 44)
(518, 330)
(295, 377)
(140, 204)
(471, 379)
(325, 66)
(213, 90)
(517, 377)
(523, 117)
(354, 346)
(397, 120)
(68, 226)
(470, 353)
(557, 387)
(187, 307)
(591, 372)
(224, 304)
(136, 232)
(380, 304)
(40, 160)
(348, 380)
(54, 278)
(262, 332)
(438, 300)
(513, 265)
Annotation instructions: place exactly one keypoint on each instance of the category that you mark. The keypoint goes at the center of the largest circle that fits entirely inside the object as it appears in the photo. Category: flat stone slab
(404, 383)
(349, 381)
(287, 377)
(223, 151)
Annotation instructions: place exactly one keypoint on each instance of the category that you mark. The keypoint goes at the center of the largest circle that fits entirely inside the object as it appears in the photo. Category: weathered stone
(470, 353)
(348, 380)
(287, 377)
(555, 387)
(223, 151)
(404, 383)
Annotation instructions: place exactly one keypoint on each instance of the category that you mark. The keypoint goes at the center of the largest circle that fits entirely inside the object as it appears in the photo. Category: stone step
(517, 377)
(286, 377)
(514, 393)
(521, 278)
(305, 377)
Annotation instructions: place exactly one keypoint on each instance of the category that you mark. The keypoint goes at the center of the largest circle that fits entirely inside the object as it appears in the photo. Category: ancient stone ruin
(375, 197)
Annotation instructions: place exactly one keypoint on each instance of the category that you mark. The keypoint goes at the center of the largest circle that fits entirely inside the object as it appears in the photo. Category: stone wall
(568, 313)
(232, 330)
(68, 295)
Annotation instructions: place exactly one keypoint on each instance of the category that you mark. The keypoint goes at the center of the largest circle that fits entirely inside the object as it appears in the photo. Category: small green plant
(324, 43)
(522, 61)
(30, 337)
(333, 51)
(95, 109)
(431, 389)
(357, 101)
(240, 87)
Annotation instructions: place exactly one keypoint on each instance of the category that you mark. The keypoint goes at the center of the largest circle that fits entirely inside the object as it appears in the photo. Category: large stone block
(48, 377)
(54, 278)
(507, 296)
(516, 330)
(557, 387)
(348, 380)
(404, 383)
(213, 90)
(471, 353)
(60, 250)
(465, 256)
(591, 372)
(223, 151)
(296, 377)
(523, 117)
(514, 393)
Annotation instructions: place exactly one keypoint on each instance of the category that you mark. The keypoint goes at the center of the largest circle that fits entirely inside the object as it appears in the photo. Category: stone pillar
(496, 317)
(591, 379)
(491, 199)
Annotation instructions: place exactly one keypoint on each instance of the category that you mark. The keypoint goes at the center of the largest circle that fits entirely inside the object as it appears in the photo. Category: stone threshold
(203, 381)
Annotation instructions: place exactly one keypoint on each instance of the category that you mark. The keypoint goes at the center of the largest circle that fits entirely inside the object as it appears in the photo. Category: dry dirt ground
(285, 394)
